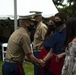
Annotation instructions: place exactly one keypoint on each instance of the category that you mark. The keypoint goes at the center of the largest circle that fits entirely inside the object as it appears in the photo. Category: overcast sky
(24, 6)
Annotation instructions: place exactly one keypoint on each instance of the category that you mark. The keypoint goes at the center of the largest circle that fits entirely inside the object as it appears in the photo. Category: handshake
(41, 63)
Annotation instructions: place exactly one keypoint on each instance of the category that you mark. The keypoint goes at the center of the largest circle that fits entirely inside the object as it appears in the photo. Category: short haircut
(62, 15)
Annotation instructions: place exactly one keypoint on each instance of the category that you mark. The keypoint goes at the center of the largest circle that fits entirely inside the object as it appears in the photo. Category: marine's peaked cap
(27, 17)
(36, 12)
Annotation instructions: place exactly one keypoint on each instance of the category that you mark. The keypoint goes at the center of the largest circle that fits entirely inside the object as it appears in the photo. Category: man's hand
(41, 63)
(58, 58)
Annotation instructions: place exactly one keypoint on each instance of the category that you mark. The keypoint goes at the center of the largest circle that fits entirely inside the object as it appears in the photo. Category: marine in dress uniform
(39, 37)
(19, 47)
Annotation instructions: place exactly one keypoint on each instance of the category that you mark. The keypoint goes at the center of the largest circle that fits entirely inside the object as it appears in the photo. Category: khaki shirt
(39, 36)
(18, 45)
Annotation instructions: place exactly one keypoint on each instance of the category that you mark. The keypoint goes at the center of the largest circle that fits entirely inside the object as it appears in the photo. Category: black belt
(11, 61)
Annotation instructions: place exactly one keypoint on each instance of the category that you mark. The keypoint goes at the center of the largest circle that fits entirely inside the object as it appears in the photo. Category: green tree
(58, 3)
(69, 8)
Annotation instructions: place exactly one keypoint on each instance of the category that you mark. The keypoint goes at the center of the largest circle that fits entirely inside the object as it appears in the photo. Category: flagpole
(15, 14)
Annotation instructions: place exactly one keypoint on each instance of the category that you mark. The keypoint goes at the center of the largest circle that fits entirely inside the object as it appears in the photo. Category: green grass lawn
(28, 68)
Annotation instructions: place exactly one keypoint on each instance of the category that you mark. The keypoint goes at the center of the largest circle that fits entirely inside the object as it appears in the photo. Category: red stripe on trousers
(20, 69)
